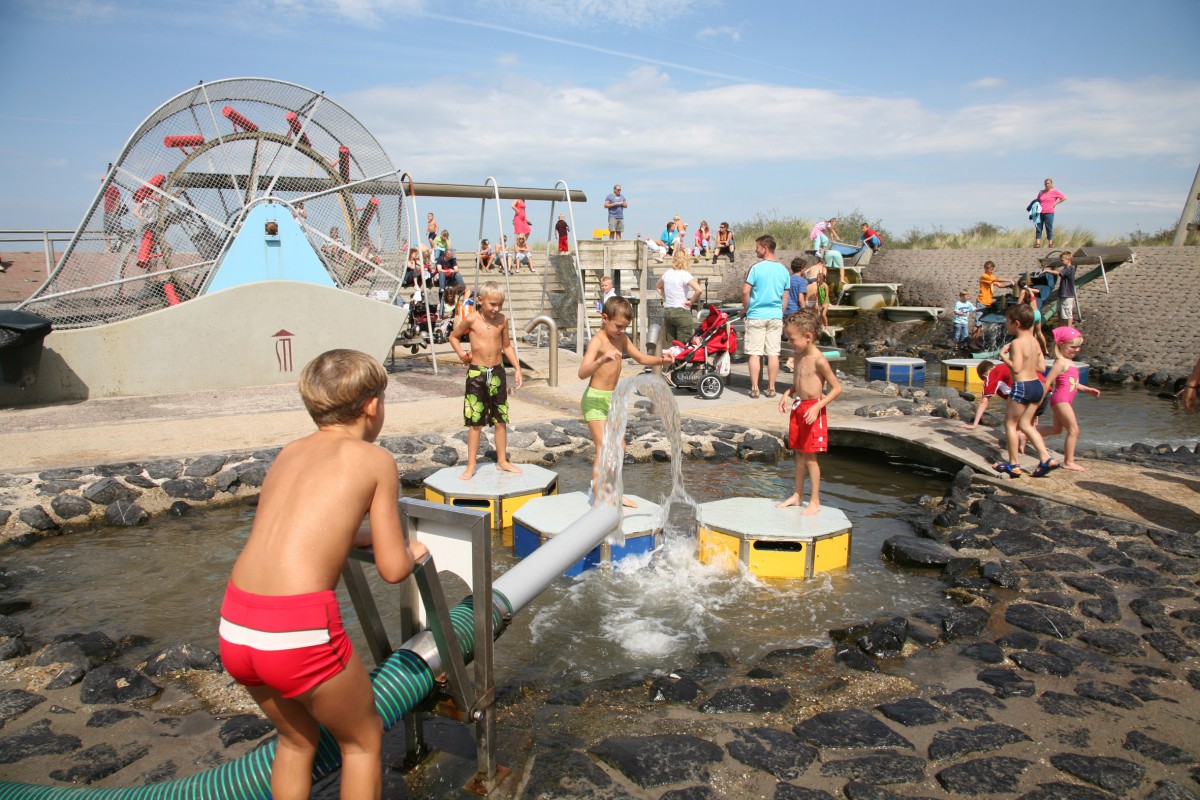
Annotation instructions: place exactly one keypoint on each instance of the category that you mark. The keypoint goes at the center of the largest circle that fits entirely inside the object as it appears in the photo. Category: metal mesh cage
(179, 191)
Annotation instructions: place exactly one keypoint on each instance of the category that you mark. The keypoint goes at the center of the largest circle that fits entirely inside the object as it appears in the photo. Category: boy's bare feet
(811, 509)
(794, 500)
(468, 473)
(508, 466)
(628, 502)
(1073, 467)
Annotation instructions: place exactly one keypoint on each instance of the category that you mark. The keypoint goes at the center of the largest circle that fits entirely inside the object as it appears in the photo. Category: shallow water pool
(166, 580)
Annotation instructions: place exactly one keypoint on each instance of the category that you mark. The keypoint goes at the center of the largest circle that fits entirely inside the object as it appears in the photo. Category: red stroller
(703, 363)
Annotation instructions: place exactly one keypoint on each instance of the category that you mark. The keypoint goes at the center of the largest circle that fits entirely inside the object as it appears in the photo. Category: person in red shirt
(871, 239)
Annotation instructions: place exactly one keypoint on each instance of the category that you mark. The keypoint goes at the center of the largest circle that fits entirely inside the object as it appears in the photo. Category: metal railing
(46, 238)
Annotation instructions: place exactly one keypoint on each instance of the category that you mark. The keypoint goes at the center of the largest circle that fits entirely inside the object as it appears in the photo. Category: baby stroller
(415, 333)
(703, 363)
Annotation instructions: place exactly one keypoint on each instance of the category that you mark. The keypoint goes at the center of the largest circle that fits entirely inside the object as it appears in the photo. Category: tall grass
(791, 233)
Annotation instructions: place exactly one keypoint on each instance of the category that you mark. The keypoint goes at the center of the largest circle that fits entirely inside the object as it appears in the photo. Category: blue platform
(543, 518)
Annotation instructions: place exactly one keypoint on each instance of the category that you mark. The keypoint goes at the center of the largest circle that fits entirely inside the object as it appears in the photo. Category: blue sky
(920, 113)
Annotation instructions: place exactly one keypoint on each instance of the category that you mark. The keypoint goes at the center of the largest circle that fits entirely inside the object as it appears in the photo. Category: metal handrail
(508, 298)
(44, 236)
(582, 326)
(420, 276)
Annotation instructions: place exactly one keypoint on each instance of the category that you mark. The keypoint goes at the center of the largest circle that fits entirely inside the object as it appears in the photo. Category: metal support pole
(552, 326)
(1187, 220)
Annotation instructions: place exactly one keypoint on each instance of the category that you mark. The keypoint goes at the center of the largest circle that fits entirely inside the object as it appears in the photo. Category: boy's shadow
(1149, 507)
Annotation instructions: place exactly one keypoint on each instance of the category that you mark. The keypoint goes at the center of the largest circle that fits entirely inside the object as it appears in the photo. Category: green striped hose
(401, 682)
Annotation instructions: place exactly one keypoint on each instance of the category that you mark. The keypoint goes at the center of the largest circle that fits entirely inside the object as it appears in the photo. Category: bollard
(553, 326)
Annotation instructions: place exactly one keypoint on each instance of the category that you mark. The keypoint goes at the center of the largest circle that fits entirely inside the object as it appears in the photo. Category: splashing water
(679, 505)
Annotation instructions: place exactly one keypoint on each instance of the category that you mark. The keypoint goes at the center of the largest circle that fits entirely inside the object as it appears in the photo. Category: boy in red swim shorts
(808, 430)
(281, 629)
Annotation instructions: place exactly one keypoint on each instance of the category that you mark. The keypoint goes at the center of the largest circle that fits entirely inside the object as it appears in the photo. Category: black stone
(987, 652)
(180, 508)
(751, 699)
(15, 702)
(98, 647)
(559, 774)
(913, 711)
(1170, 645)
(110, 716)
(99, 761)
(166, 771)
(226, 480)
(879, 768)
(68, 506)
(1161, 752)
(1043, 664)
(1074, 655)
(52, 488)
(885, 638)
(858, 790)
(124, 468)
(678, 689)
(10, 627)
(1107, 772)
(243, 728)
(913, 551)
(1114, 642)
(1181, 544)
(657, 760)
(37, 518)
(252, 473)
(112, 684)
(109, 490)
(964, 623)
(574, 696)
(986, 776)
(1065, 537)
(164, 470)
(1135, 576)
(788, 791)
(1056, 562)
(1108, 693)
(36, 740)
(1007, 683)
(205, 466)
(847, 729)
(1065, 705)
(956, 742)
(1055, 599)
(1002, 574)
(188, 488)
(1170, 790)
(970, 703)
(65, 652)
(1109, 557)
(854, 658)
(179, 657)
(1041, 619)
(1090, 584)
(67, 676)
(63, 474)
(777, 752)
(1057, 790)
(141, 482)
(1021, 543)
(970, 538)
(761, 673)
(125, 514)
(1104, 609)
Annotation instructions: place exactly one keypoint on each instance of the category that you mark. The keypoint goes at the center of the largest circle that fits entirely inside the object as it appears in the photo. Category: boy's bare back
(312, 503)
(1025, 359)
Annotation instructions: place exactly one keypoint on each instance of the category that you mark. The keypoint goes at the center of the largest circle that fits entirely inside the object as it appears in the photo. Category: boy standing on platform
(486, 401)
(562, 229)
(281, 629)
(808, 429)
(601, 365)
(962, 318)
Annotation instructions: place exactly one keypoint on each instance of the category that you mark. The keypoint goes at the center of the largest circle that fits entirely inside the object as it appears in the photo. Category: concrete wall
(1150, 316)
(254, 335)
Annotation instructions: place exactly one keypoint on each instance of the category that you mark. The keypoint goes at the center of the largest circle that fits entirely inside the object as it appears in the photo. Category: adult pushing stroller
(703, 362)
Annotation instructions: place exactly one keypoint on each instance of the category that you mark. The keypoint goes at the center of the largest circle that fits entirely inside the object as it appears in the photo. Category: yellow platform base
(501, 508)
(774, 558)
(963, 376)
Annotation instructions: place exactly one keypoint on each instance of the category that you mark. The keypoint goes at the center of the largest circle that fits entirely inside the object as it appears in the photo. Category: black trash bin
(21, 335)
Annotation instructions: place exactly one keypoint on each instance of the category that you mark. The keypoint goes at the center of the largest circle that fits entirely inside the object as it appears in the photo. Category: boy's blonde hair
(490, 289)
(805, 320)
(335, 384)
(618, 308)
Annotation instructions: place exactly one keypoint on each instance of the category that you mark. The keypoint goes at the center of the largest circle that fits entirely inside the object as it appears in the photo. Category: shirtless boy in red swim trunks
(281, 630)
(808, 430)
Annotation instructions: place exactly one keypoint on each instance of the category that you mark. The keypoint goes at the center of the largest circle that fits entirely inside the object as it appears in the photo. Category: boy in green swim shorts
(486, 401)
(602, 367)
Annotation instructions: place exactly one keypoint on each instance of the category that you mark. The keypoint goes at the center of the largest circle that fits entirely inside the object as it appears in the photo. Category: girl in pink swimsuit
(1062, 382)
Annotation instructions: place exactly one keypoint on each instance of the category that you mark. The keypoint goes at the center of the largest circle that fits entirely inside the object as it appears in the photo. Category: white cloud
(595, 13)
(70, 11)
(722, 32)
(645, 119)
(988, 83)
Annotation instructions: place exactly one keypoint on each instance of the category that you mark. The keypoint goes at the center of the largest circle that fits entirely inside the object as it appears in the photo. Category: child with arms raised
(808, 430)
(486, 401)
(601, 365)
(1063, 382)
(281, 630)
(1025, 361)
